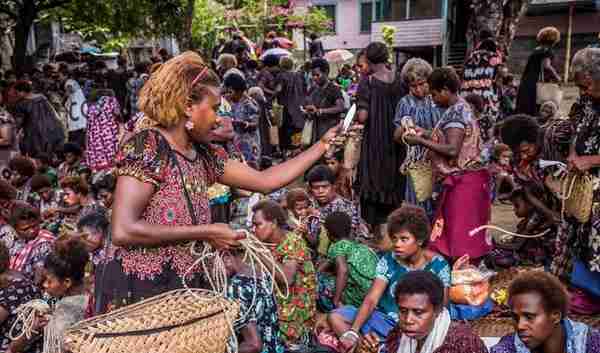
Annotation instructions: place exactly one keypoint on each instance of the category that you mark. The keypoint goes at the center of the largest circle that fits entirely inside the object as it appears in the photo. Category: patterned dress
(258, 305)
(465, 186)
(102, 134)
(140, 272)
(581, 241)
(424, 114)
(297, 311)
(480, 78)
(246, 111)
(17, 292)
(392, 272)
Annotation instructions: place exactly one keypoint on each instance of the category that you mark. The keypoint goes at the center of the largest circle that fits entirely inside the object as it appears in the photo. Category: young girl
(354, 263)
(502, 172)
(304, 220)
(64, 272)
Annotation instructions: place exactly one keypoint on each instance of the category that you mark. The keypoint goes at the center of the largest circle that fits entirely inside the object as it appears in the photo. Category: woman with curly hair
(409, 230)
(539, 303)
(424, 324)
(15, 290)
(161, 202)
(64, 272)
(539, 67)
(455, 150)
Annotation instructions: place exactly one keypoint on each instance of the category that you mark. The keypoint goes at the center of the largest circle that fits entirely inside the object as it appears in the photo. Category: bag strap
(188, 199)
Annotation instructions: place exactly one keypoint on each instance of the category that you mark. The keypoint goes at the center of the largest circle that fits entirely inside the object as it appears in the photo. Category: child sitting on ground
(354, 264)
(514, 250)
(501, 170)
(305, 220)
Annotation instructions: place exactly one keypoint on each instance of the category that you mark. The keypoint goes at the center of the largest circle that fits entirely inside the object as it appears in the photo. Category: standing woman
(103, 131)
(42, 131)
(579, 241)
(380, 187)
(325, 99)
(244, 113)
(455, 148)
(416, 107)
(161, 200)
(538, 65)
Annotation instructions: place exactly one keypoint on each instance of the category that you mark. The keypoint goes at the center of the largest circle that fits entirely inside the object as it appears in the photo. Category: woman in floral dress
(15, 290)
(581, 241)
(296, 311)
(103, 132)
(161, 201)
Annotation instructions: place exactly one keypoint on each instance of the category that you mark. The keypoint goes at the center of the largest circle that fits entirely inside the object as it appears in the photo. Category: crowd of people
(108, 175)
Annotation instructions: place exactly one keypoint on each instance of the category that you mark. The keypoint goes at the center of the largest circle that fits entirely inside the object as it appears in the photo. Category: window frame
(334, 3)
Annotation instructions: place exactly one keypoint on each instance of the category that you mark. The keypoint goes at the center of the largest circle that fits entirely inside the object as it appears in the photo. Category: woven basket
(580, 191)
(179, 321)
(420, 174)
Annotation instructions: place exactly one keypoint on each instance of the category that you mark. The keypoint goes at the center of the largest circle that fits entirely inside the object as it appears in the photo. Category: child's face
(505, 158)
(46, 194)
(70, 158)
(322, 191)
(300, 209)
(106, 197)
(94, 239)
(522, 208)
(55, 286)
(71, 198)
(334, 165)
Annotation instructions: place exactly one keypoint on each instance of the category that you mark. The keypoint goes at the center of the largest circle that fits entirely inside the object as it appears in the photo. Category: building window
(366, 16)
(400, 10)
(330, 12)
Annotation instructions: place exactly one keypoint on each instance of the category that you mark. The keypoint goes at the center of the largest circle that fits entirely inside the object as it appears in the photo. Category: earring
(189, 125)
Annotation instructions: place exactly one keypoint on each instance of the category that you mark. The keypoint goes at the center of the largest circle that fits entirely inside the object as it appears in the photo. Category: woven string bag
(179, 321)
(578, 192)
(420, 174)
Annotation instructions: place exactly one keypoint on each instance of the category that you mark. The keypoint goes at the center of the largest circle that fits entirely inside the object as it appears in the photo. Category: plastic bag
(470, 286)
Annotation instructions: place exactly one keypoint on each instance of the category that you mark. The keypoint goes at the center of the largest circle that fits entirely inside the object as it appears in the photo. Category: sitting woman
(15, 290)
(78, 202)
(539, 304)
(73, 161)
(297, 310)
(354, 265)
(64, 272)
(409, 230)
(258, 327)
(32, 245)
(424, 324)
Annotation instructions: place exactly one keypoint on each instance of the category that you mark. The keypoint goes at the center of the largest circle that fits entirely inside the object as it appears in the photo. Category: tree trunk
(27, 14)
(501, 17)
(186, 36)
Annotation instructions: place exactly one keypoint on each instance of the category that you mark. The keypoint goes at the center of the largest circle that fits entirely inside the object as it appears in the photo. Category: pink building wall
(347, 34)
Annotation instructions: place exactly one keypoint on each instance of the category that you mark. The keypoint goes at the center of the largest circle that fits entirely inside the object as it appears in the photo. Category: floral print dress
(297, 310)
(17, 292)
(246, 111)
(103, 133)
(581, 241)
(259, 306)
(139, 272)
